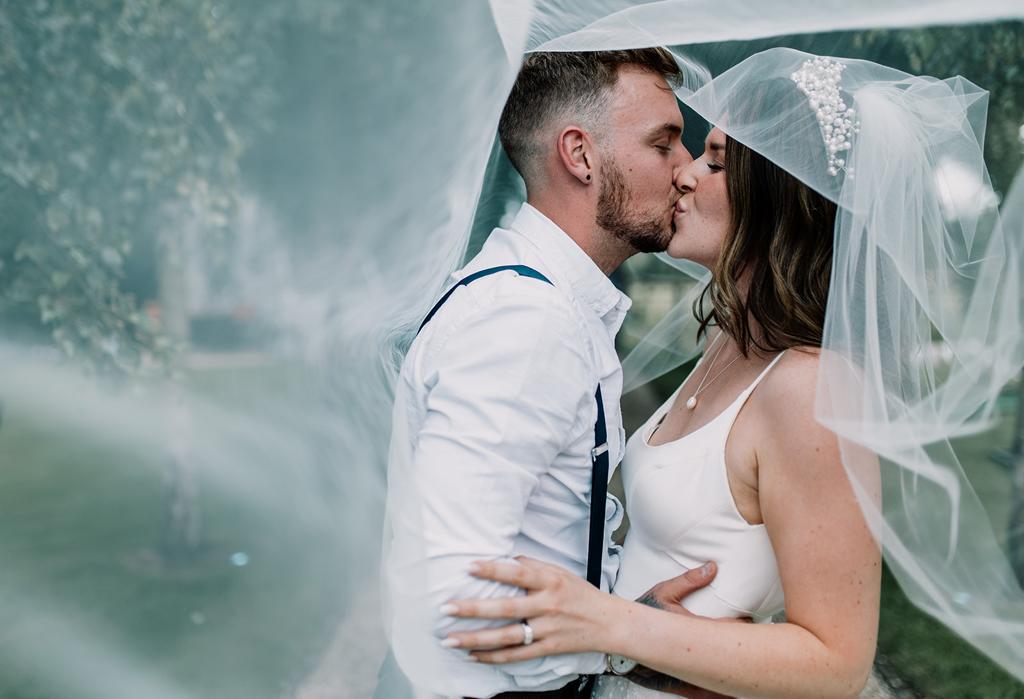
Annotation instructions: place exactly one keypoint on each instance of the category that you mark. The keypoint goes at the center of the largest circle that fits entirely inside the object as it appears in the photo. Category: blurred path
(348, 668)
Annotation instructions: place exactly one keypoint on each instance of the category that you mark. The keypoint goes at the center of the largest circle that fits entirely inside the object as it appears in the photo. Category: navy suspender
(598, 455)
(598, 495)
(521, 270)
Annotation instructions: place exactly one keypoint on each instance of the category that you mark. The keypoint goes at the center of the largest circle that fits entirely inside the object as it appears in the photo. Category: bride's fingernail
(448, 609)
(450, 643)
(471, 659)
(474, 568)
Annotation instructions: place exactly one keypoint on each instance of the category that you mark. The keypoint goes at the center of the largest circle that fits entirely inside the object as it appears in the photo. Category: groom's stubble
(644, 232)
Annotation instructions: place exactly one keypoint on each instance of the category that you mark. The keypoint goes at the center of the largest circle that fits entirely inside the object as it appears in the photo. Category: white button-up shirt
(493, 427)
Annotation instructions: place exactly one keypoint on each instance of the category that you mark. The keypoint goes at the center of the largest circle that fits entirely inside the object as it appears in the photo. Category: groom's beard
(646, 233)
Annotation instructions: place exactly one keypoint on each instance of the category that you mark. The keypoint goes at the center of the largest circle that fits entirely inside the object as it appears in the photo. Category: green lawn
(934, 660)
(86, 608)
(924, 652)
(85, 611)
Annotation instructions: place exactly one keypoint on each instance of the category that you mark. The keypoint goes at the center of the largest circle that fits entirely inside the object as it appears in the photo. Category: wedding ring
(527, 634)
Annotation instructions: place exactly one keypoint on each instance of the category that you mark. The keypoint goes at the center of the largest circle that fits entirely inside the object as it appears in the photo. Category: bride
(826, 285)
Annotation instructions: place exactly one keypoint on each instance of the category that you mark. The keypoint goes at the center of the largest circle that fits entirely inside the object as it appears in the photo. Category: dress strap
(764, 373)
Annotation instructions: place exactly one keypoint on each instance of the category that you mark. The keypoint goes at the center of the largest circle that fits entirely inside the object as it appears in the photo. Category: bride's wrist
(616, 629)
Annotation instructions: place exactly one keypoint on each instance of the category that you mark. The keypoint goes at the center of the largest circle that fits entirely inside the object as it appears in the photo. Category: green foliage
(117, 114)
(988, 55)
(933, 659)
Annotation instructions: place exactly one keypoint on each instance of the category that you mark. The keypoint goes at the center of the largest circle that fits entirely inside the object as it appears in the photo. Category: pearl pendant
(691, 402)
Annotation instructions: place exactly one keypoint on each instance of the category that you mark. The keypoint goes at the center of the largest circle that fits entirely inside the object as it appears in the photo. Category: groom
(511, 388)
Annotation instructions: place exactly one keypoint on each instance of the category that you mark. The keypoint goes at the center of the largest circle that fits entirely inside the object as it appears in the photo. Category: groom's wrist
(620, 665)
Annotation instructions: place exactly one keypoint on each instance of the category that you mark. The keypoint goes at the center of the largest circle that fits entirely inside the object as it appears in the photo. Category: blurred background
(194, 294)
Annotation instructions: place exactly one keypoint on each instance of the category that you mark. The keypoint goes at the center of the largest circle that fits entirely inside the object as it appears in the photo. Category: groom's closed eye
(665, 134)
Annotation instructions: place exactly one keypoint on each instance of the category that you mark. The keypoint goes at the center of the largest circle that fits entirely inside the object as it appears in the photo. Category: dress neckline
(649, 431)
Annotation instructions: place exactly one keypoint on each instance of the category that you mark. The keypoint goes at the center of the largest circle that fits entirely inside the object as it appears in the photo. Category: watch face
(621, 664)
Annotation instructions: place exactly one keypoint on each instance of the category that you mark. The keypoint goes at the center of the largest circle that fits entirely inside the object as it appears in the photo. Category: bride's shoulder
(790, 435)
(791, 383)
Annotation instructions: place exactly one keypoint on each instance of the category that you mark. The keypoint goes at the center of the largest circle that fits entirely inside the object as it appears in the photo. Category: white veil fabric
(924, 323)
(924, 326)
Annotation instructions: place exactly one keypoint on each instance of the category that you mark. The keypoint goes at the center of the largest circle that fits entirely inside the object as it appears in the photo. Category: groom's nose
(684, 158)
(682, 162)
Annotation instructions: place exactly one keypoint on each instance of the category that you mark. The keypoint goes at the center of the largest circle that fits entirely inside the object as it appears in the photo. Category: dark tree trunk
(181, 529)
(1015, 532)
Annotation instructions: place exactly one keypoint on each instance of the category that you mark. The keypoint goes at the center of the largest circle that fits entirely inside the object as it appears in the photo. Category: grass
(931, 658)
(87, 609)
(926, 654)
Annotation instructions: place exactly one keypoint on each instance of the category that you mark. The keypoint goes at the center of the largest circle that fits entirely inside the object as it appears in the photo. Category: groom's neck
(577, 220)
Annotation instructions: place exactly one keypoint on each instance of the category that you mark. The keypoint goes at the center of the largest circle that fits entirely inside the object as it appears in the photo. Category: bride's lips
(680, 207)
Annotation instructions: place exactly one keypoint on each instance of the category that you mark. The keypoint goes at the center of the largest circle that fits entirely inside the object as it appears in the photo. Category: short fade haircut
(570, 84)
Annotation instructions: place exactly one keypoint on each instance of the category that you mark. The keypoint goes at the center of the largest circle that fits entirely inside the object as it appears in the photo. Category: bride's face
(702, 215)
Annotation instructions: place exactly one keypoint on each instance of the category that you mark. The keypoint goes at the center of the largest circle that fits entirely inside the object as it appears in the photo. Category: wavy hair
(782, 232)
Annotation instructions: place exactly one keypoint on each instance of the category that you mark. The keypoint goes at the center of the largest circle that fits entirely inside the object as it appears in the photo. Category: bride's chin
(676, 249)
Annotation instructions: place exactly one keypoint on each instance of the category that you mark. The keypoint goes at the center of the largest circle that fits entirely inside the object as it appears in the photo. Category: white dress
(682, 514)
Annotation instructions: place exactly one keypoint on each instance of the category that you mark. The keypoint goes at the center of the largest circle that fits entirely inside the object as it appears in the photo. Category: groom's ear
(576, 153)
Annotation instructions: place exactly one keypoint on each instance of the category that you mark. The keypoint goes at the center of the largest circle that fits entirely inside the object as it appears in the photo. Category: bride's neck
(756, 333)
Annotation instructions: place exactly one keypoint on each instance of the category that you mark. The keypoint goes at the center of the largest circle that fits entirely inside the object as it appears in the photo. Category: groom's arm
(509, 387)
(668, 596)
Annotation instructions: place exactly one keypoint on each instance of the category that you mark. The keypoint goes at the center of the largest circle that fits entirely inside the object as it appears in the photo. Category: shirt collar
(586, 280)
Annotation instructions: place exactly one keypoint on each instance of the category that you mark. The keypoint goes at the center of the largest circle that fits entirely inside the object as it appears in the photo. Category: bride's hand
(565, 613)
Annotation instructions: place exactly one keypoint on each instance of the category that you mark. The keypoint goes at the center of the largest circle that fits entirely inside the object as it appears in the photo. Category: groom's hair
(569, 85)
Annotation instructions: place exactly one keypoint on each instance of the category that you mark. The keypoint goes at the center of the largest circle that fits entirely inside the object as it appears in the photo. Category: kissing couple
(752, 563)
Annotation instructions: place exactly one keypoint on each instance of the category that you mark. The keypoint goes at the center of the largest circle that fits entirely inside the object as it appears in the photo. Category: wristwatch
(620, 664)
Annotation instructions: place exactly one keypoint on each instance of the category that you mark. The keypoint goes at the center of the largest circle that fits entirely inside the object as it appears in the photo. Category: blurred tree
(124, 123)
(988, 55)
(116, 112)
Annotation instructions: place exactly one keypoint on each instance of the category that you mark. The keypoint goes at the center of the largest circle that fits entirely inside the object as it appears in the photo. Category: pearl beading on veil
(818, 78)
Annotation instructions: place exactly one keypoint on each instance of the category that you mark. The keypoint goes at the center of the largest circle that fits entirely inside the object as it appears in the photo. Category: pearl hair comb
(818, 78)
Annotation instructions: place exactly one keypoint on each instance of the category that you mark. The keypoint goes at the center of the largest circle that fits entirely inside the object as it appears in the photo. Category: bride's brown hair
(782, 231)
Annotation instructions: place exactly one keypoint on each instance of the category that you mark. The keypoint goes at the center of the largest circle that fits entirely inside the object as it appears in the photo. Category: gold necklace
(691, 402)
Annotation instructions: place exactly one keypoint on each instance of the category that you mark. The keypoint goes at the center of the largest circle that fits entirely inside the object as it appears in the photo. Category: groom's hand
(668, 596)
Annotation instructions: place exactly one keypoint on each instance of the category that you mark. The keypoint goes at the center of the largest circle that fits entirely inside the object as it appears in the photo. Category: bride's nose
(683, 178)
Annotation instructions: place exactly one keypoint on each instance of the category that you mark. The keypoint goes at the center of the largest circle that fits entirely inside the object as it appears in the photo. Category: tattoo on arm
(659, 681)
(650, 600)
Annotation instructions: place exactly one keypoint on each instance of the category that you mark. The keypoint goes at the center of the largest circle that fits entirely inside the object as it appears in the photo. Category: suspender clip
(598, 450)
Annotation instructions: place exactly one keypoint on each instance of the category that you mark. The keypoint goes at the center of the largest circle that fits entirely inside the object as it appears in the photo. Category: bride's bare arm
(828, 561)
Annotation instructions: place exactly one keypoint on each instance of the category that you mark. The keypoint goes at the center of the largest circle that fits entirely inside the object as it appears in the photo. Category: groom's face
(639, 160)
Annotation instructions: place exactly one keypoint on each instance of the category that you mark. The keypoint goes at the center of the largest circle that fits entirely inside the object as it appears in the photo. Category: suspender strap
(598, 455)
(598, 495)
(521, 270)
